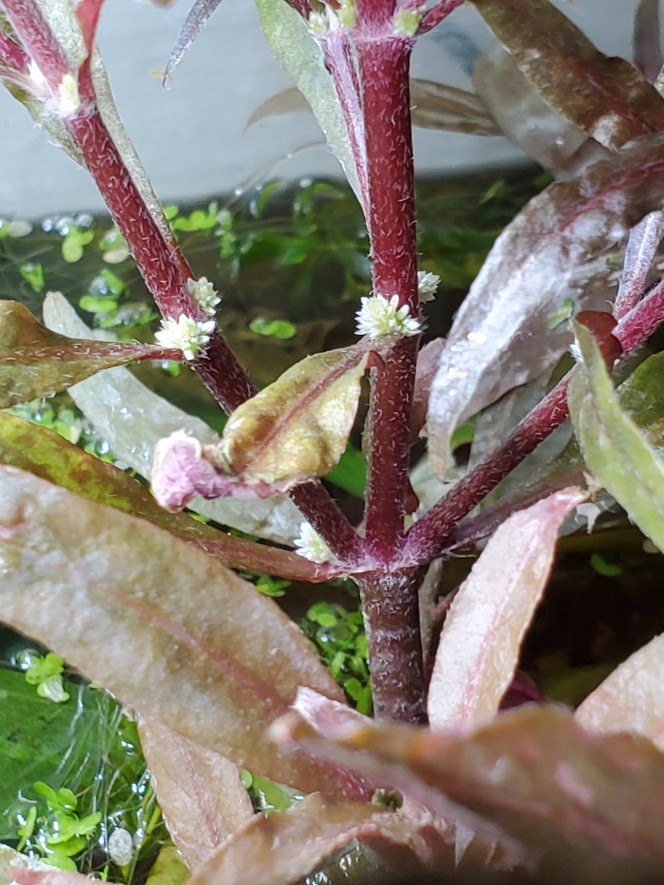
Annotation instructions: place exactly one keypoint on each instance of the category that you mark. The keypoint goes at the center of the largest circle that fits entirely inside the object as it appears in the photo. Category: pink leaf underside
(163, 626)
(501, 336)
(284, 847)
(24, 876)
(200, 792)
(587, 805)
(630, 698)
(481, 639)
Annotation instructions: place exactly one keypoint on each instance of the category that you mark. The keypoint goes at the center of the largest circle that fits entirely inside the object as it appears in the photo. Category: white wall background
(192, 137)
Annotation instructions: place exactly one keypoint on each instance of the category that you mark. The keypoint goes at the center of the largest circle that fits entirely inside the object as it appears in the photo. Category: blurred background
(193, 137)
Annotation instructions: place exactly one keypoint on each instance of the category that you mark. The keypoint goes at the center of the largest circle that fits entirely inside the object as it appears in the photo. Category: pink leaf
(200, 792)
(481, 639)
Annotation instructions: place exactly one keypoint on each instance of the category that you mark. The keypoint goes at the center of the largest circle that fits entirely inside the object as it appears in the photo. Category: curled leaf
(296, 428)
(500, 337)
(490, 613)
(36, 362)
(133, 419)
(613, 447)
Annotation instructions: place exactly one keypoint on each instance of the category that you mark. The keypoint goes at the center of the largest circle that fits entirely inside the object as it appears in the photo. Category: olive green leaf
(36, 362)
(296, 428)
(613, 447)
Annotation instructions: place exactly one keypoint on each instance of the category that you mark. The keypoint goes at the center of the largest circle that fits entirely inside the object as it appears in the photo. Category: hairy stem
(384, 65)
(391, 618)
(428, 537)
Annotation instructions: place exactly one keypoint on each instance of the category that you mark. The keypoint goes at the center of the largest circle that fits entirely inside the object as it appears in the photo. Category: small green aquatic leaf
(33, 274)
(296, 428)
(36, 362)
(273, 328)
(613, 447)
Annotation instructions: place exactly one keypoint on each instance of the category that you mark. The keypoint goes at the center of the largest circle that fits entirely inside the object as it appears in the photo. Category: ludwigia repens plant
(155, 613)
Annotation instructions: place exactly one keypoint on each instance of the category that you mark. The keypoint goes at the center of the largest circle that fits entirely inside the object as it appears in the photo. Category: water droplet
(306, 182)
(47, 225)
(238, 191)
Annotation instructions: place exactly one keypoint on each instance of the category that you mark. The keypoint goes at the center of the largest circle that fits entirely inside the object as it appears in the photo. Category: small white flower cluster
(427, 285)
(380, 317)
(67, 101)
(185, 334)
(204, 294)
(311, 545)
(407, 21)
(322, 21)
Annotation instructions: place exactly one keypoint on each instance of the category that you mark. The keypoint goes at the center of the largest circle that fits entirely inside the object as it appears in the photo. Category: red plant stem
(436, 14)
(38, 40)
(383, 66)
(157, 255)
(390, 608)
(427, 538)
(640, 322)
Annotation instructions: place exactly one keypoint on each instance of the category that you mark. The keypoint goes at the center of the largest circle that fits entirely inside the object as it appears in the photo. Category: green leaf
(296, 428)
(33, 274)
(289, 38)
(607, 97)
(45, 742)
(613, 447)
(168, 868)
(163, 626)
(642, 397)
(36, 362)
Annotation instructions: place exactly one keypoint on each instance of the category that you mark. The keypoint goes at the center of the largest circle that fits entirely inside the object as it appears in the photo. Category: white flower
(204, 294)
(407, 21)
(35, 74)
(68, 100)
(318, 26)
(311, 545)
(427, 285)
(380, 316)
(185, 333)
(347, 14)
